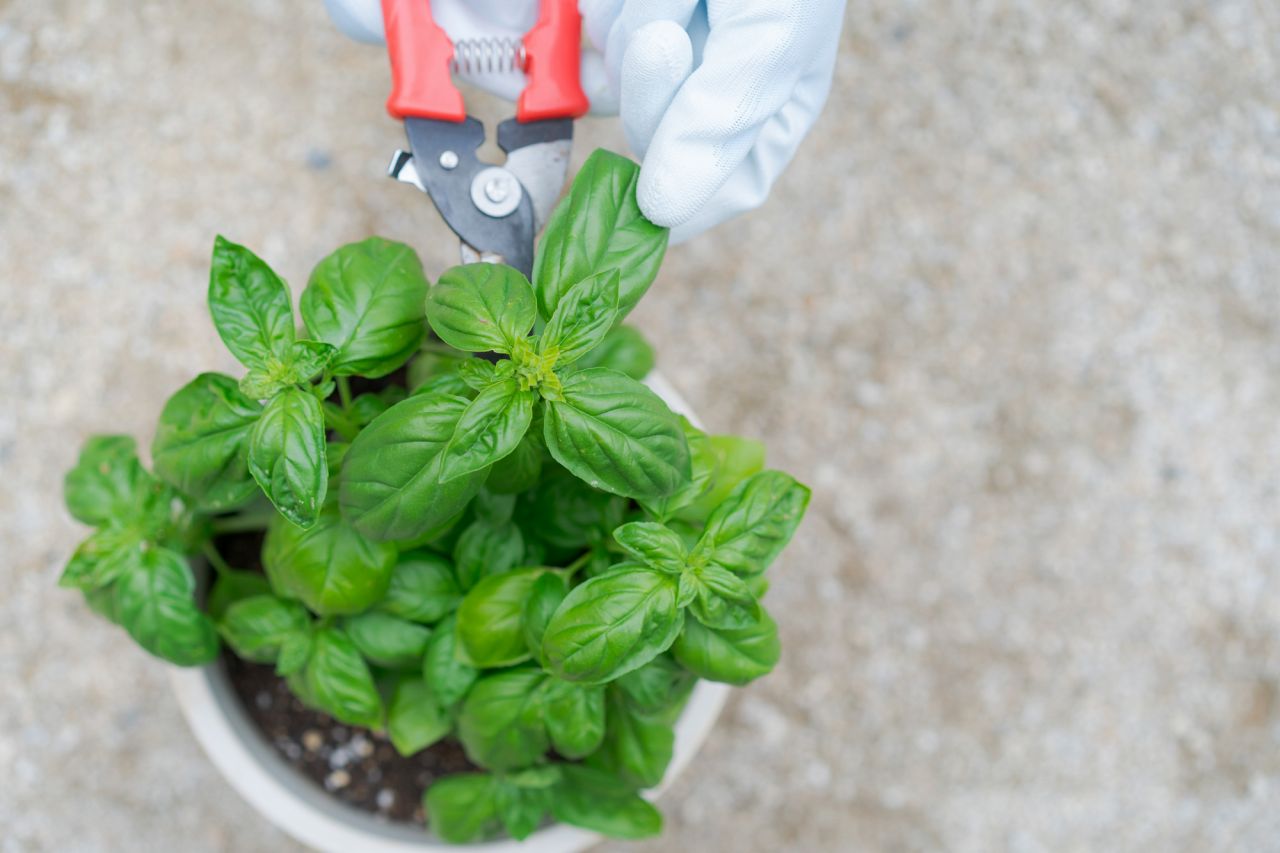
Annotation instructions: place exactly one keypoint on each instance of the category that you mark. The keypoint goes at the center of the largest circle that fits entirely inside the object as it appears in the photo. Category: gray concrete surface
(1015, 315)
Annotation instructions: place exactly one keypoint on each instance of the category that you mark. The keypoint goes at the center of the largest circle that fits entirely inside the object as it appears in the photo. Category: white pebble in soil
(340, 757)
(337, 779)
(385, 799)
(361, 746)
(312, 740)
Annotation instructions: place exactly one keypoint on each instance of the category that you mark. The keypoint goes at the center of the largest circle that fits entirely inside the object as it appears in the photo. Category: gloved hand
(715, 96)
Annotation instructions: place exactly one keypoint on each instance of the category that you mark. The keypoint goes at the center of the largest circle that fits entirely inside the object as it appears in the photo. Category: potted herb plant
(493, 550)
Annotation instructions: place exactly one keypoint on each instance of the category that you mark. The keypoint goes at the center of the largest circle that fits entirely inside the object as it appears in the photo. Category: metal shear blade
(495, 210)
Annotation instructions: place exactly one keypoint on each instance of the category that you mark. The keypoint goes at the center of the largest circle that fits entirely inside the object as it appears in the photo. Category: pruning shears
(495, 210)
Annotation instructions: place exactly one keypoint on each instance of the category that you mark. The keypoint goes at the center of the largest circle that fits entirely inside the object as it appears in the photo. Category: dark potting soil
(356, 765)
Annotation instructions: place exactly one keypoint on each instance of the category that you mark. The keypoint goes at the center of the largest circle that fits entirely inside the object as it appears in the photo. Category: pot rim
(282, 795)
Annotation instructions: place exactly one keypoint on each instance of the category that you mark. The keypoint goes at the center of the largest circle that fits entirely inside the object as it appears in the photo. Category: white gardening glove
(715, 96)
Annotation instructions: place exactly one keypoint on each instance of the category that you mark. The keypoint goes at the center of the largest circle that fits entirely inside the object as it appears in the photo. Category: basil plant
(476, 522)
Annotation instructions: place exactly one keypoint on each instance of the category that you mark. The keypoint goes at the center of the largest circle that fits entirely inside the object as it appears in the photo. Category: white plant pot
(299, 807)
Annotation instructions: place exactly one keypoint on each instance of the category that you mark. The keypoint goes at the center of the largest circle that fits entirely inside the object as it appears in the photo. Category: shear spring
(489, 55)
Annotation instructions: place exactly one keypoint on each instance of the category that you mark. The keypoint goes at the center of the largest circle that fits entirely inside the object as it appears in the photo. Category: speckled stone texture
(1014, 315)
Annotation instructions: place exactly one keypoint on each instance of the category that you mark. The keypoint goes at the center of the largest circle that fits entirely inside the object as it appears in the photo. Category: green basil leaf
(519, 470)
(659, 688)
(478, 374)
(158, 609)
(546, 594)
(565, 512)
(637, 747)
(462, 808)
(491, 619)
(493, 508)
(367, 299)
(391, 486)
(575, 718)
(366, 407)
(296, 364)
(688, 590)
(482, 307)
(490, 428)
(249, 304)
(583, 318)
(287, 455)
(387, 640)
(415, 719)
(599, 563)
(612, 624)
(521, 810)
(257, 627)
(755, 522)
(538, 776)
(486, 549)
(334, 453)
(295, 651)
(723, 599)
(338, 681)
(732, 655)
(653, 545)
(438, 538)
(429, 366)
(449, 384)
(104, 556)
(598, 801)
(625, 350)
(704, 463)
(201, 446)
(500, 724)
(535, 553)
(423, 588)
(599, 227)
(103, 602)
(617, 435)
(736, 459)
(308, 359)
(109, 484)
(330, 567)
(450, 678)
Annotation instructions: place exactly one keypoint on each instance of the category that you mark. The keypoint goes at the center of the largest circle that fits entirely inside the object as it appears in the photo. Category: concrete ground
(1014, 314)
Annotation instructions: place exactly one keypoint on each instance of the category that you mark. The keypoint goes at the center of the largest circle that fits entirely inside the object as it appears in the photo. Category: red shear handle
(421, 85)
(552, 63)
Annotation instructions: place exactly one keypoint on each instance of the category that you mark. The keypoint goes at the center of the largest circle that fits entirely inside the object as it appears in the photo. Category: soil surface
(356, 765)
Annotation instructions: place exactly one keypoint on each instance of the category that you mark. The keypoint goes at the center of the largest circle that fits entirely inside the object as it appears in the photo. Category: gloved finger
(715, 119)
(659, 59)
(749, 185)
(595, 84)
(598, 17)
(634, 16)
(357, 19)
